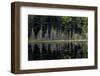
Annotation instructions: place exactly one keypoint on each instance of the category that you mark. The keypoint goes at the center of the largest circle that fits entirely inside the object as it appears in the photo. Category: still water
(50, 51)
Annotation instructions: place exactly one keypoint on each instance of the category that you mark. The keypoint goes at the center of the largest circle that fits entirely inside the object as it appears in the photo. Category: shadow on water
(50, 51)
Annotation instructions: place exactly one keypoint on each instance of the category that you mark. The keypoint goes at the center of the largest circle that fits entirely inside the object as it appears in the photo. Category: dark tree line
(69, 26)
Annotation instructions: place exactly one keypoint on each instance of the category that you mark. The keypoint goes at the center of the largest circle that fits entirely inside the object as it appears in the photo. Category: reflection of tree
(70, 50)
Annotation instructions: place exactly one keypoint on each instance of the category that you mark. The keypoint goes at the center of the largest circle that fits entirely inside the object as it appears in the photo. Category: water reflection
(49, 51)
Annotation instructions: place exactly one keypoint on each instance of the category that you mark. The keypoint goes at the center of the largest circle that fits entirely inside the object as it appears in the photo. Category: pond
(61, 50)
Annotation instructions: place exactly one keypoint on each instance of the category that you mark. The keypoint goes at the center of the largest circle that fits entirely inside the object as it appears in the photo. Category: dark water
(50, 51)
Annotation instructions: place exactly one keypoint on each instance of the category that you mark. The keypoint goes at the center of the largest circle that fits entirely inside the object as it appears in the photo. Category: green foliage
(75, 22)
(77, 25)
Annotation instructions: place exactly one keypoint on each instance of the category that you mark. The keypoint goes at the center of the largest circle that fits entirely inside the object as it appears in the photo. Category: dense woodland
(53, 28)
(57, 27)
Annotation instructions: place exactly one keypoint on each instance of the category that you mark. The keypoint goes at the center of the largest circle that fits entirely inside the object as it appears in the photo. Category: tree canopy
(65, 24)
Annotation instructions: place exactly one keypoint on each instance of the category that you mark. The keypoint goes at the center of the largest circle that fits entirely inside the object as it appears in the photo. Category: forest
(57, 27)
(57, 37)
